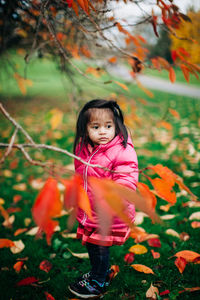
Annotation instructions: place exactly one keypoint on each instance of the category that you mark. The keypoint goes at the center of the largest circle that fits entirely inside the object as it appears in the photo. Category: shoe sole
(85, 296)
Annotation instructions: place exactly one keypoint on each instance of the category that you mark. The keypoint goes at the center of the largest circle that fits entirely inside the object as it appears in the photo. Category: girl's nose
(101, 130)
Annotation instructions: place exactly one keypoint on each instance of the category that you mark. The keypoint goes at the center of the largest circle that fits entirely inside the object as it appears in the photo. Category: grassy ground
(159, 137)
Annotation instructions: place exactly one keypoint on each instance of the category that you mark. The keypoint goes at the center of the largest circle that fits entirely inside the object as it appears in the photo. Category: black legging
(99, 260)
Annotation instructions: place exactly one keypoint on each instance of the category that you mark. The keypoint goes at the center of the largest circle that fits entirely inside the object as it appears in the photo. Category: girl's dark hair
(84, 118)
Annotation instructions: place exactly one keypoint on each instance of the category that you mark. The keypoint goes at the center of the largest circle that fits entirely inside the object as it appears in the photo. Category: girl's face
(101, 127)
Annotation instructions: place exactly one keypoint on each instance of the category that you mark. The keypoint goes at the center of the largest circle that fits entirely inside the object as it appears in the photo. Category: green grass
(176, 148)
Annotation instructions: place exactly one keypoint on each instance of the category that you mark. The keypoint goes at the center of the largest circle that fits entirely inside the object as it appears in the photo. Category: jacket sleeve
(126, 166)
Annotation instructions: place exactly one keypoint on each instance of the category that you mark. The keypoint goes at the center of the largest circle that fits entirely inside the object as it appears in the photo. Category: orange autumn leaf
(84, 5)
(186, 72)
(18, 266)
(147, 194)
(189, 256)
(155, 254)
(6, 243)
(195, 224)
(112, 59)
(179, 181)
(110, 198)
(47, 206)
(172, 178)
(172, 75)
(20, 231)
(5, 214)
(180, 263)
(174, 113)
(164, 173)
(85, 51)
(164, 190)
(75, 8)
(165, 125)
(142, 268)
(76, 196)
(122, 85)
(108, 203)
(114, 271)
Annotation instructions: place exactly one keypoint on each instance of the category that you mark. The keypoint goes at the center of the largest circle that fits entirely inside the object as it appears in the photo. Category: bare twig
(10, 145)
(19, 127)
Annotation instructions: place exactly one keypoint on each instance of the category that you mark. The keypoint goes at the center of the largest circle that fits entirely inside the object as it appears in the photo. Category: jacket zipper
(85, 181)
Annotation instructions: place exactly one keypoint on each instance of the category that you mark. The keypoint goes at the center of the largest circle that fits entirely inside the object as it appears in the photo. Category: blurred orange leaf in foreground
(6, 243)
(46, 207)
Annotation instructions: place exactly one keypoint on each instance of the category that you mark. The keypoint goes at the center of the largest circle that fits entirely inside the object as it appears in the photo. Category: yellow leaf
(56, 118)
(138, 249)
(79, 255)
(142, 268)
(172, 232)
(168, 217)
(195, 216)
(20, 187)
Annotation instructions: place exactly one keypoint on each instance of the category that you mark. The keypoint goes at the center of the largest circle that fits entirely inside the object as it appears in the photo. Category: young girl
(102, 138)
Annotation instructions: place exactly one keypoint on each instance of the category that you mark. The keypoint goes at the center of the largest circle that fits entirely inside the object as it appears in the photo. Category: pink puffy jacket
(115, 157)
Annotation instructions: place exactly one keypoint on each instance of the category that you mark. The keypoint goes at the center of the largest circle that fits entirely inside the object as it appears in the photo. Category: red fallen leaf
(6, 243)
(12, 210)
(155, 255)
(154, 242)
(45, 265)
(166, 292)
(49, 296)
(27, 281)
(129, 257)
(47, 206)
(14, 163)
(181, 263)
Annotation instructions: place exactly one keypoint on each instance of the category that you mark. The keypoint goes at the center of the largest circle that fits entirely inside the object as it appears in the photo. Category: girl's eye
(109, 126)
(95, 127)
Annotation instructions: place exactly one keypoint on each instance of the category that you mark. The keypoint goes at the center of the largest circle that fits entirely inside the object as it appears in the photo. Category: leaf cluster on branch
(69, 29)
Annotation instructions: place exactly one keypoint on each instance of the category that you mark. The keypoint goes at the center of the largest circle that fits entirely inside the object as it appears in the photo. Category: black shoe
(108, 279)
(87, 288)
